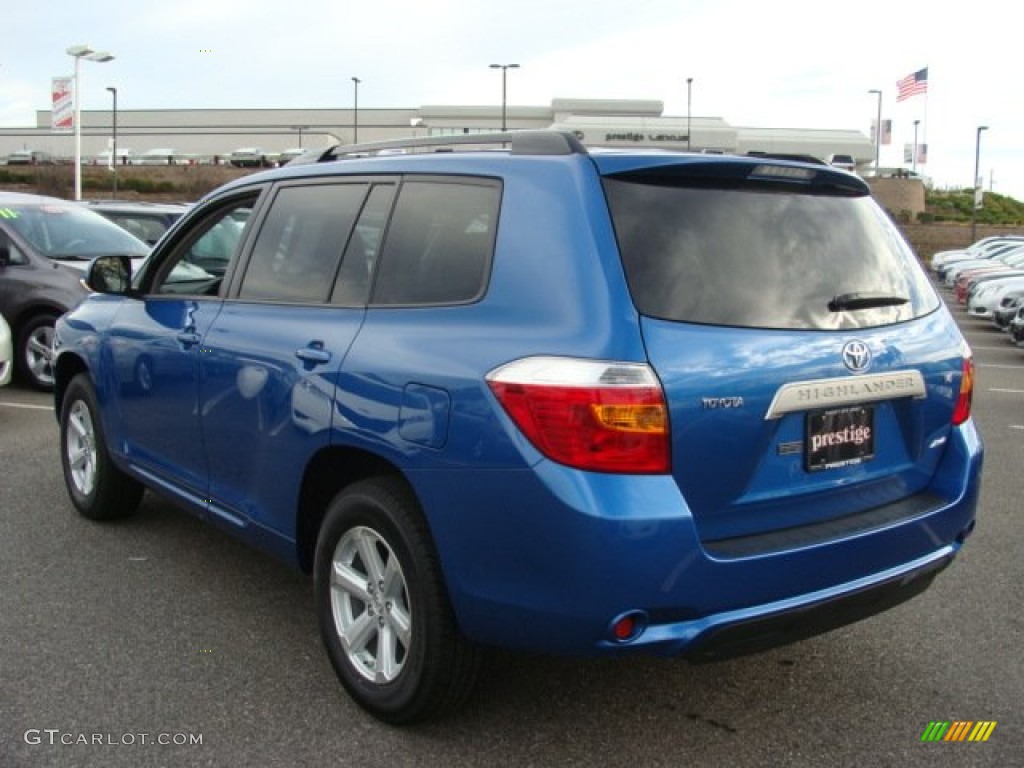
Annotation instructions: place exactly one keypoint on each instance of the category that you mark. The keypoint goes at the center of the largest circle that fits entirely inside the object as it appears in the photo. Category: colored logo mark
(958, 730)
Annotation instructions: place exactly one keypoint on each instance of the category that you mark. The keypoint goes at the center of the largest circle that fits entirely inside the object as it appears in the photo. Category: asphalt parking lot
(159, 641)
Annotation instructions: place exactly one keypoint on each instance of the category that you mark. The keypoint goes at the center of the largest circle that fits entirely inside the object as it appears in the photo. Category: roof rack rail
(525, 142)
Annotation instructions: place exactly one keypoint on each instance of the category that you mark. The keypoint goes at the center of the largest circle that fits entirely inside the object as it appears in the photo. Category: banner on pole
(885, 137)
(62, 115)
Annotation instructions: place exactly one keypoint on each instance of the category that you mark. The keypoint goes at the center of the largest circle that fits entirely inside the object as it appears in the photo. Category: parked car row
(244, 157)
(987, 278)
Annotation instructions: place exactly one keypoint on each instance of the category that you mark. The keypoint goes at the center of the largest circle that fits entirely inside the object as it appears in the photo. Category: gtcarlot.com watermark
(56, 737)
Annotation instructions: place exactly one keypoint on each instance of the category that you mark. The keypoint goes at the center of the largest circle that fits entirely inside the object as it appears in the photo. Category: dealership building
(204, 135)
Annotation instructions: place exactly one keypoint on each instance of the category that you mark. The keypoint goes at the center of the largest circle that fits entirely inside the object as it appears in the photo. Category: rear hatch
(810, 369)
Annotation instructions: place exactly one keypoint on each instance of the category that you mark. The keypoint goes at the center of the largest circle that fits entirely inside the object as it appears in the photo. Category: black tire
(98, 489)
(428, 668)
(33, 356)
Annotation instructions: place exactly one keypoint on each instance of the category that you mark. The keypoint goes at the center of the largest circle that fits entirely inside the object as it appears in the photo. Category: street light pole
(913, 165)
(504, 74)
(113, 156)
(355, 110)
(689, 88)
(80, 52)
(976, 184)
(878, 128)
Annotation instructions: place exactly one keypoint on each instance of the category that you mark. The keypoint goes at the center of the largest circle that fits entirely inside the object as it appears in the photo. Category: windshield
(69, 232)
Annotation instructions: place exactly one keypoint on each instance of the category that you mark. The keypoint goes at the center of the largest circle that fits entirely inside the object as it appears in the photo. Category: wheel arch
(326, 475)
(66, 367)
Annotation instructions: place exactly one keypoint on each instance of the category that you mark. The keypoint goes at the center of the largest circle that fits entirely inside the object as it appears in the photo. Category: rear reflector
(589, 414)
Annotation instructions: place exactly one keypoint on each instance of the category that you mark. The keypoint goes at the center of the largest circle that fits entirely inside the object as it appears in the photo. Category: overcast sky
(789, 64)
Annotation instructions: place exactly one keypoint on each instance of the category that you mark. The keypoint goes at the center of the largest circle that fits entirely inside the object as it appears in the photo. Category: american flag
(913, 84)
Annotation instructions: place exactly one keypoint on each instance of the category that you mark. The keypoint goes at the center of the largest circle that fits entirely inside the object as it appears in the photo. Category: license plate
(839, 437)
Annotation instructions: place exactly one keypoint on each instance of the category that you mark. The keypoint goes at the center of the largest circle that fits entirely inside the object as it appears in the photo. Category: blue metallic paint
(536, 555)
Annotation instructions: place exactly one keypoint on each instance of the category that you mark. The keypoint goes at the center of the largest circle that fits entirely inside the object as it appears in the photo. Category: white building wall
(205, 133)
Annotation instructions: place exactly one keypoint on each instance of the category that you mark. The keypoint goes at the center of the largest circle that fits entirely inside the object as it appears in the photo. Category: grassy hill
(955, 206)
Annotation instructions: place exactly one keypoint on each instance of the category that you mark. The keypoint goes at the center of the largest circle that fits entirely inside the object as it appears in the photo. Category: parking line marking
(1017, 426)
(1008, 367)
(1007, 391)
(26, 406)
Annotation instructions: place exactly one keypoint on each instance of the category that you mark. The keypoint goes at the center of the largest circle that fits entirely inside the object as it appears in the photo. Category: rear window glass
(762, 258)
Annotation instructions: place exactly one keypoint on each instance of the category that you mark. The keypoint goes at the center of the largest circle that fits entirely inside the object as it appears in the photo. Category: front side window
(201, 257)
(764, 258)
(299, 246)
(439, 243)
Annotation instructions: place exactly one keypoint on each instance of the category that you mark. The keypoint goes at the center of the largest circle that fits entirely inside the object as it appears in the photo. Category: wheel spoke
(350, 582)
(358, 634)
(366, 543)
(38, 346)
(401, 622)
(394, 582)
(78, 457)
(388, 664)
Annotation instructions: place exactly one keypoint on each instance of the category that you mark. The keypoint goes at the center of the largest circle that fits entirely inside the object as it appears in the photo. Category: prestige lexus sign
(638, 137)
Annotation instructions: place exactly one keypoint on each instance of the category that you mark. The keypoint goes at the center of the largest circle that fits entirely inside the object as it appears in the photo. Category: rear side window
(299, 247)
(762, 258)
(439, 243)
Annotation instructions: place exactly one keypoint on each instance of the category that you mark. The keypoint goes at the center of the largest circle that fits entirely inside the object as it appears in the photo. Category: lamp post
(913, 163)
(878, 128)
(300, 129)
(113, 155)
(504, 75)
(689, 88)
(80, 52)
(977, 184)
(355, 110)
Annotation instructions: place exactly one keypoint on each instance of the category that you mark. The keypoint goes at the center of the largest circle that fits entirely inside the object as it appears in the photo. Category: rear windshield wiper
(854, 301)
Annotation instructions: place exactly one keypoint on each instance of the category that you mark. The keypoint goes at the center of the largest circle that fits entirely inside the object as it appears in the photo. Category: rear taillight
(589, 414)
(962, 411)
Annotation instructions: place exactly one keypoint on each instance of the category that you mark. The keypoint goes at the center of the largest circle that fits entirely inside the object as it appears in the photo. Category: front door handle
(314, 354)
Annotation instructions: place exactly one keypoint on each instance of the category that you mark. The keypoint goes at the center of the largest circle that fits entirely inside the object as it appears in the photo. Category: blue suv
(528, 395)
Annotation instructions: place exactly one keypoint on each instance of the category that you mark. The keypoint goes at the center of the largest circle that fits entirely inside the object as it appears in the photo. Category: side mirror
(110, 274)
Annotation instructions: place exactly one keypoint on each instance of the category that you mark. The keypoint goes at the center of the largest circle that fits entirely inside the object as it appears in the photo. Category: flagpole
(925, 131)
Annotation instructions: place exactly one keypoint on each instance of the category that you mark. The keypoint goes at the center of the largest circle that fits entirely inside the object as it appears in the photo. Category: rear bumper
(741, 632)
(547, 559)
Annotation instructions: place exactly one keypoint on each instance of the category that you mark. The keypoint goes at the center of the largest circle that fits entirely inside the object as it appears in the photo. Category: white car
(249, 157)
(6, 353)
(125, 156)
(987, 298)
(159, 156)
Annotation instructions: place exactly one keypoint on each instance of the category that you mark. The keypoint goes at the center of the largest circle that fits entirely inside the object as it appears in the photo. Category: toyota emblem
(857, 356)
